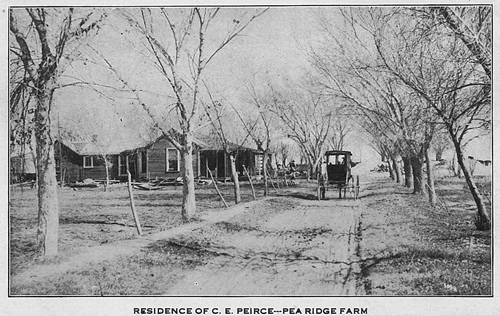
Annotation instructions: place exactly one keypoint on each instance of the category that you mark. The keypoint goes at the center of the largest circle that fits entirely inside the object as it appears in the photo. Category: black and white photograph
(240, 159)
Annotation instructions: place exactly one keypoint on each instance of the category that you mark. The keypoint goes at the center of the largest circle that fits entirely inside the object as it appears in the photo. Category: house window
(88, 162)
(172, 159)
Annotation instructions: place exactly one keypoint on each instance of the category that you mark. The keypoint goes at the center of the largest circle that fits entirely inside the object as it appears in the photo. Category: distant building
(22, 167)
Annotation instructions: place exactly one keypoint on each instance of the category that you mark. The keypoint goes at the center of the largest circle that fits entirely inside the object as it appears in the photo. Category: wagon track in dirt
(302, 248)
(275, 246)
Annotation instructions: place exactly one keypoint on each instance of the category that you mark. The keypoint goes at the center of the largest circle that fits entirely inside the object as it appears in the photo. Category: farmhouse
(214, 157)
(76, 161)
(159, 159)
(156, 159)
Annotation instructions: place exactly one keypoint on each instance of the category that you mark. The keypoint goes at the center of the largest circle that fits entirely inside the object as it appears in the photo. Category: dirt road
(278, 246)
(290, 244)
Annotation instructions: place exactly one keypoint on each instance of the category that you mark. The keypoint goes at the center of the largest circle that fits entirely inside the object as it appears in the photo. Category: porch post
(225, 166)
(206, 169)
(198, 172)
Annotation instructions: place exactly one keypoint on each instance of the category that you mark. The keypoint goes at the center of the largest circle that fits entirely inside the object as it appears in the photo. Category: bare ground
(286, 244)
(275, 246)
(282, 246)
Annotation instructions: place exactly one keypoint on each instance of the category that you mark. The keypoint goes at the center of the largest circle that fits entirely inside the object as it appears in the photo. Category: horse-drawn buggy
(336, 174)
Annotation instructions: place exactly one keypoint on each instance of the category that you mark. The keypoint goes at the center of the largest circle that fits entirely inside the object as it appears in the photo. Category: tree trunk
(187, 173)
(396, 169)
(106, 166)
(264, 161)
(416, 166)
(457, 171)
(48, 204)
(391, 171)
(236, 181)
(383, 157)
(430, 178)
(408, 173)
(311, 172)
(482, 221)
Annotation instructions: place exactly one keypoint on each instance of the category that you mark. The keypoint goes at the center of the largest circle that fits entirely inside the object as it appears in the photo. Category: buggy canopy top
(338, 152)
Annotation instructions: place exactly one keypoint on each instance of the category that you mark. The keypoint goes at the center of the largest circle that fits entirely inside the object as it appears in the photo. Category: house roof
(91, 149)
(214, 143)
(161, 137)
(86, 148)
(117, 147)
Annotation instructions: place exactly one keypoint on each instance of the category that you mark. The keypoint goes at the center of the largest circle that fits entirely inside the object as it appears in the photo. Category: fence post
(251, 183)
(132, 204)
(217, 188)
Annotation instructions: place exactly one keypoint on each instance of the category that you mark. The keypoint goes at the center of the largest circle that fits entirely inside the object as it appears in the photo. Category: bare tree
(440, 143)
(471, 24)
(349, 68)
(261, 127)
(342, 128)
(180, 44)
(449, 74)
(217, 117)
(308, 118)
(283, 151)
(46, 40)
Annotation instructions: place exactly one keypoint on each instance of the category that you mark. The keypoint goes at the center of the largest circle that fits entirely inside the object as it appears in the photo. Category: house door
(221, 164)
(132, 166)
(208, 162)
(129, 161)
(243, 159)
